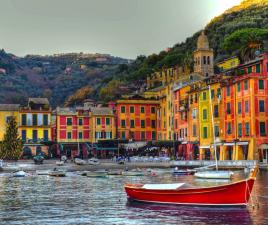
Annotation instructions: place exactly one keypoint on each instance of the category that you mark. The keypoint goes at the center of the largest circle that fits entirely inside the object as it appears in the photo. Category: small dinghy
(20, 173)
(59, 163)
(100, 174)
(176, 171)
(93, 161)
(214, 174)
(42, 172)
(80, 162)
(133, 173)
(115, 173)
(57, 173)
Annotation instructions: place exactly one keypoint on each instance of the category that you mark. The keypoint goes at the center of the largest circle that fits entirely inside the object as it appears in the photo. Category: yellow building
(7, 111)
(34, 125)
(102, 123)
(228, 63)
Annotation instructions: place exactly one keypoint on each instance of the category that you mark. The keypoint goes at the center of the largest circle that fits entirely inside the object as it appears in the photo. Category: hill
(249, 14)
(55, 77)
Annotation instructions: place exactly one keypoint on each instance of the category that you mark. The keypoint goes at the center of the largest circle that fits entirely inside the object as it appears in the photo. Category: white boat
(80, 161)
(214, 174)
(20, 173)
(59, 163)
(42, 172)
(133, 173)
(97, 174)
(93, 161)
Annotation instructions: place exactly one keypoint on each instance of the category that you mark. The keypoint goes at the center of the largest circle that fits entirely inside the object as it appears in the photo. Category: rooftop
(9, 107)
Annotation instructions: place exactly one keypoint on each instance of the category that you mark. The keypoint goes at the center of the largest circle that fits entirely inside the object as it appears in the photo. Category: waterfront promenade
(28, 165)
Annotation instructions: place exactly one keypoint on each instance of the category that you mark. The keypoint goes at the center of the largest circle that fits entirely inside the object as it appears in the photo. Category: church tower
(203, 57)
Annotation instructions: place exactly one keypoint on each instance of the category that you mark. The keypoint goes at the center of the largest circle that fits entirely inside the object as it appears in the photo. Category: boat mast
(213, 128)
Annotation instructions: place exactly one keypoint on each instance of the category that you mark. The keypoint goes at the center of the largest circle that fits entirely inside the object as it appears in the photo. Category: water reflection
(189, 214)
(82, 200)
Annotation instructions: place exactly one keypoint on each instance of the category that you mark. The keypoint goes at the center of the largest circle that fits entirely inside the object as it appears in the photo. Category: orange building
(137, 119)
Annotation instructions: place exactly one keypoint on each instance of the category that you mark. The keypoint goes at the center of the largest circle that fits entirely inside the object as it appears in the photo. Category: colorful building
(34, 125)
(6, 112)
(137, 119)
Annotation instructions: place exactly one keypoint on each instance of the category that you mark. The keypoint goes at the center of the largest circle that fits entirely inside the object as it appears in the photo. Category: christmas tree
(11, 146)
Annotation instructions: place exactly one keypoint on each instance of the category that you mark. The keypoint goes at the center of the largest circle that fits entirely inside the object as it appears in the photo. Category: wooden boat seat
(163, 186)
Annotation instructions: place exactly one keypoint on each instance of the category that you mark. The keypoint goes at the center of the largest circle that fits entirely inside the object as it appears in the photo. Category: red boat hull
(235, 194)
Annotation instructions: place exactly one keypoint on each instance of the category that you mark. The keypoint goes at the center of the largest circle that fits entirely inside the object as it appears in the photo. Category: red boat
(233, 194)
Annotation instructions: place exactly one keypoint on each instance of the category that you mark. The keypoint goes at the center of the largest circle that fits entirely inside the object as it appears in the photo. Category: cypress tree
(12, 145)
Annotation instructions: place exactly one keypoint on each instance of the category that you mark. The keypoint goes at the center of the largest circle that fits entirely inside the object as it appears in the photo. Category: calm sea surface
(82, 200)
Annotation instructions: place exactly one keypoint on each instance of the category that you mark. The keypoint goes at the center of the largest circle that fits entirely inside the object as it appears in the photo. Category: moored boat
(232, 194)
(133, 173)
(57, 173)
(42, 172)
(115, 172)
(80, 161)
(100, 174)
(214, 174)
(19, 173)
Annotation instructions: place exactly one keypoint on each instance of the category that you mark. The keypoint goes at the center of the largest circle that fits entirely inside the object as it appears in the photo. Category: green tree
(245, 42)
(12, 145)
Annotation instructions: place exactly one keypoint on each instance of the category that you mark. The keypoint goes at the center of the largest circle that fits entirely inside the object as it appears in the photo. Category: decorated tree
(12, 145)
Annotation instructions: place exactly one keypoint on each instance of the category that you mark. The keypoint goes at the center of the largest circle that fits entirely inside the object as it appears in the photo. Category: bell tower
(203, 57)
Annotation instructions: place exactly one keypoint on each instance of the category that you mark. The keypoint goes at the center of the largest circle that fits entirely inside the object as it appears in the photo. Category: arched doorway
(263, 148)
(27, 153)
(38, 150)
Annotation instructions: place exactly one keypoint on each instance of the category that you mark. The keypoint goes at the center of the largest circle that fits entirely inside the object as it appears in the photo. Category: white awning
(242, 143)
(229, 144)
(204, 146)
(263, 146)
(135, 145)
(184, 142)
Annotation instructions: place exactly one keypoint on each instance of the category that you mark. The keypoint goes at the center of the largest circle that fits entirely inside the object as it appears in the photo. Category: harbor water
(82, 200)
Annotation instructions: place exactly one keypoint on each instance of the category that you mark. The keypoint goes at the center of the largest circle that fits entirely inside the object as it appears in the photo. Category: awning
(204, 146)
(263, 146)
(184, 142)
(135, 145)
(229, 144)
(242, 143)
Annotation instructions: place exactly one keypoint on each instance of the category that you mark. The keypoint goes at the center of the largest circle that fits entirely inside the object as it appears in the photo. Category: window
(216, 111)
(8, 118)
(142, 109)
(176, 124)
(152, 109)
(229, 128)
(69, 121)
(245, 85)
(208, 60)
(205, 132)
(80, 121)
(98, 121)
(204, 60)
(23, 119)
(153, 123)
(194, 130)
(250, 69)
(261, 85)
(142, 123)
(23, 135)
(80, 135)
(132, 109)
(228, 91)
(45, 119)
(218, 92)
(216, 131)
(45, 135)
(247, 129)
(261, 106)
(153, 135)
(123, 123)
(142, 135)
(204, 95)
(123, 135)
(246, 106)
(228, 108)
(239, 130)
(132, 123)
(34, 119)
(69, 135)
(123, 109)
(107, 121)
(35, 135)
(238, 86)
(258, 68)
(97, 135)
(262, 129)
(194, 113)
(239, 108)
(212, 94)
(204, 114)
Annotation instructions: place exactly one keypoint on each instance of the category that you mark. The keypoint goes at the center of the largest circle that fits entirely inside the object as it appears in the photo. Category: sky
(125, 28)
